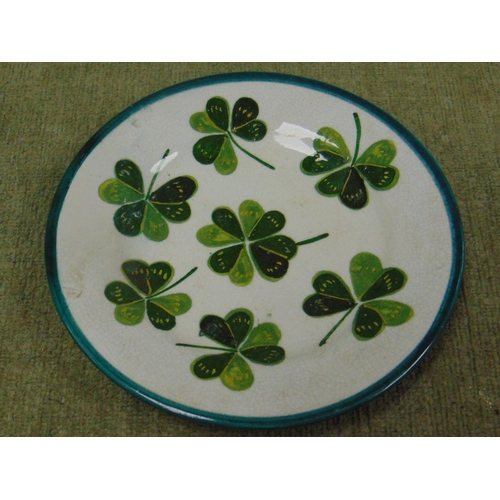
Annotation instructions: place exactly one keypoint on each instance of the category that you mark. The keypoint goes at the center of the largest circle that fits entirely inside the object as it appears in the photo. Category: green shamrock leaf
(348, 180)
(150, 212)
(217, 148)
(142, 294)
(370, 282)
(239, 342)
(269, 252)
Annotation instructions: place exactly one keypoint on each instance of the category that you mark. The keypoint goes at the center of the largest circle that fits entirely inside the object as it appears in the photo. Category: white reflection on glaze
(292, 137)
(160, 165)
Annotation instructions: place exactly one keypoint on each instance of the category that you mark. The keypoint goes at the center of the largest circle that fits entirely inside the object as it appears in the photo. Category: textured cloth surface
(48, 387)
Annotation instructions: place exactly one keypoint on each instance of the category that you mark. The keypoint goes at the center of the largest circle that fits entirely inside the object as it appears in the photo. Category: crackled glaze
(403, 237)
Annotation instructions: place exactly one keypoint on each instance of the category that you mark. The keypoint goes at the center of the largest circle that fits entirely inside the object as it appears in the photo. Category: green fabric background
(47, 113)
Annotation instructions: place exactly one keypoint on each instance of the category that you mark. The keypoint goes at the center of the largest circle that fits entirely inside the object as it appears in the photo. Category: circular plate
(254, 250)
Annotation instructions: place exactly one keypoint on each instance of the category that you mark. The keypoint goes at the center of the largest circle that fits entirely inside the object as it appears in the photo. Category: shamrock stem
(175, 284)
(312, 240)
(248, 152)
(167, 152)
(327, 336)
(205, 347)
(151, 185)
(358, 138)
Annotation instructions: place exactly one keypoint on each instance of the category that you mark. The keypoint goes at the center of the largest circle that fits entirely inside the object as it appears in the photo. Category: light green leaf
(263, 334)
(393, 313)
(332, 142)
(379, 153)
(237, 376)
(116, 192)
(227, 161)
(250, 212)
(130, 314)
(175, 304)
(365, 269)
(201, 123)
(214, 236)
(242, 272)
(155, 227)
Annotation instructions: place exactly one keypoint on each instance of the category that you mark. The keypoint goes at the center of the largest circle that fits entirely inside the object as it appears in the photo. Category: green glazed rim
(362, 397)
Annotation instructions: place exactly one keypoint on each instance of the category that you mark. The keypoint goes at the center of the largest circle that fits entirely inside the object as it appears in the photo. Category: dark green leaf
(321, 162)
(379, 177)
(333, 285)
(174, 212)
(244, 111)
(225, 259)
(208, 148)
(237, 376)
(391, 281)
(353, 194)
(270, 223)
(271, 256)
(318, 305)
(175, 191)
(226, 219)
(148, 279)
(160, 318)
(332, 184)
(121, 293)
(218, 330)
(129, 173)
(128, 218)
(212, 365)
(265, 354)
(240, 321)
(254, 131)
(367, 324)
(218, 111)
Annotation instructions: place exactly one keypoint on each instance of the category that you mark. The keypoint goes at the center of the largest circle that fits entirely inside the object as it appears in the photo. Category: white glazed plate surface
(376, 271)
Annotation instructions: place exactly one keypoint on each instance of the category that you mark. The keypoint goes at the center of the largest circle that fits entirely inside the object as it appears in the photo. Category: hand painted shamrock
(348, 181)
(370, 282)
(217, 148)
(148, 282)
(240, 340)
(270, 254)
(146, 213)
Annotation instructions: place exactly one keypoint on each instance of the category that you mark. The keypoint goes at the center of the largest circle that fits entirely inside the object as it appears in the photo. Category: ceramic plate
(254, 250)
